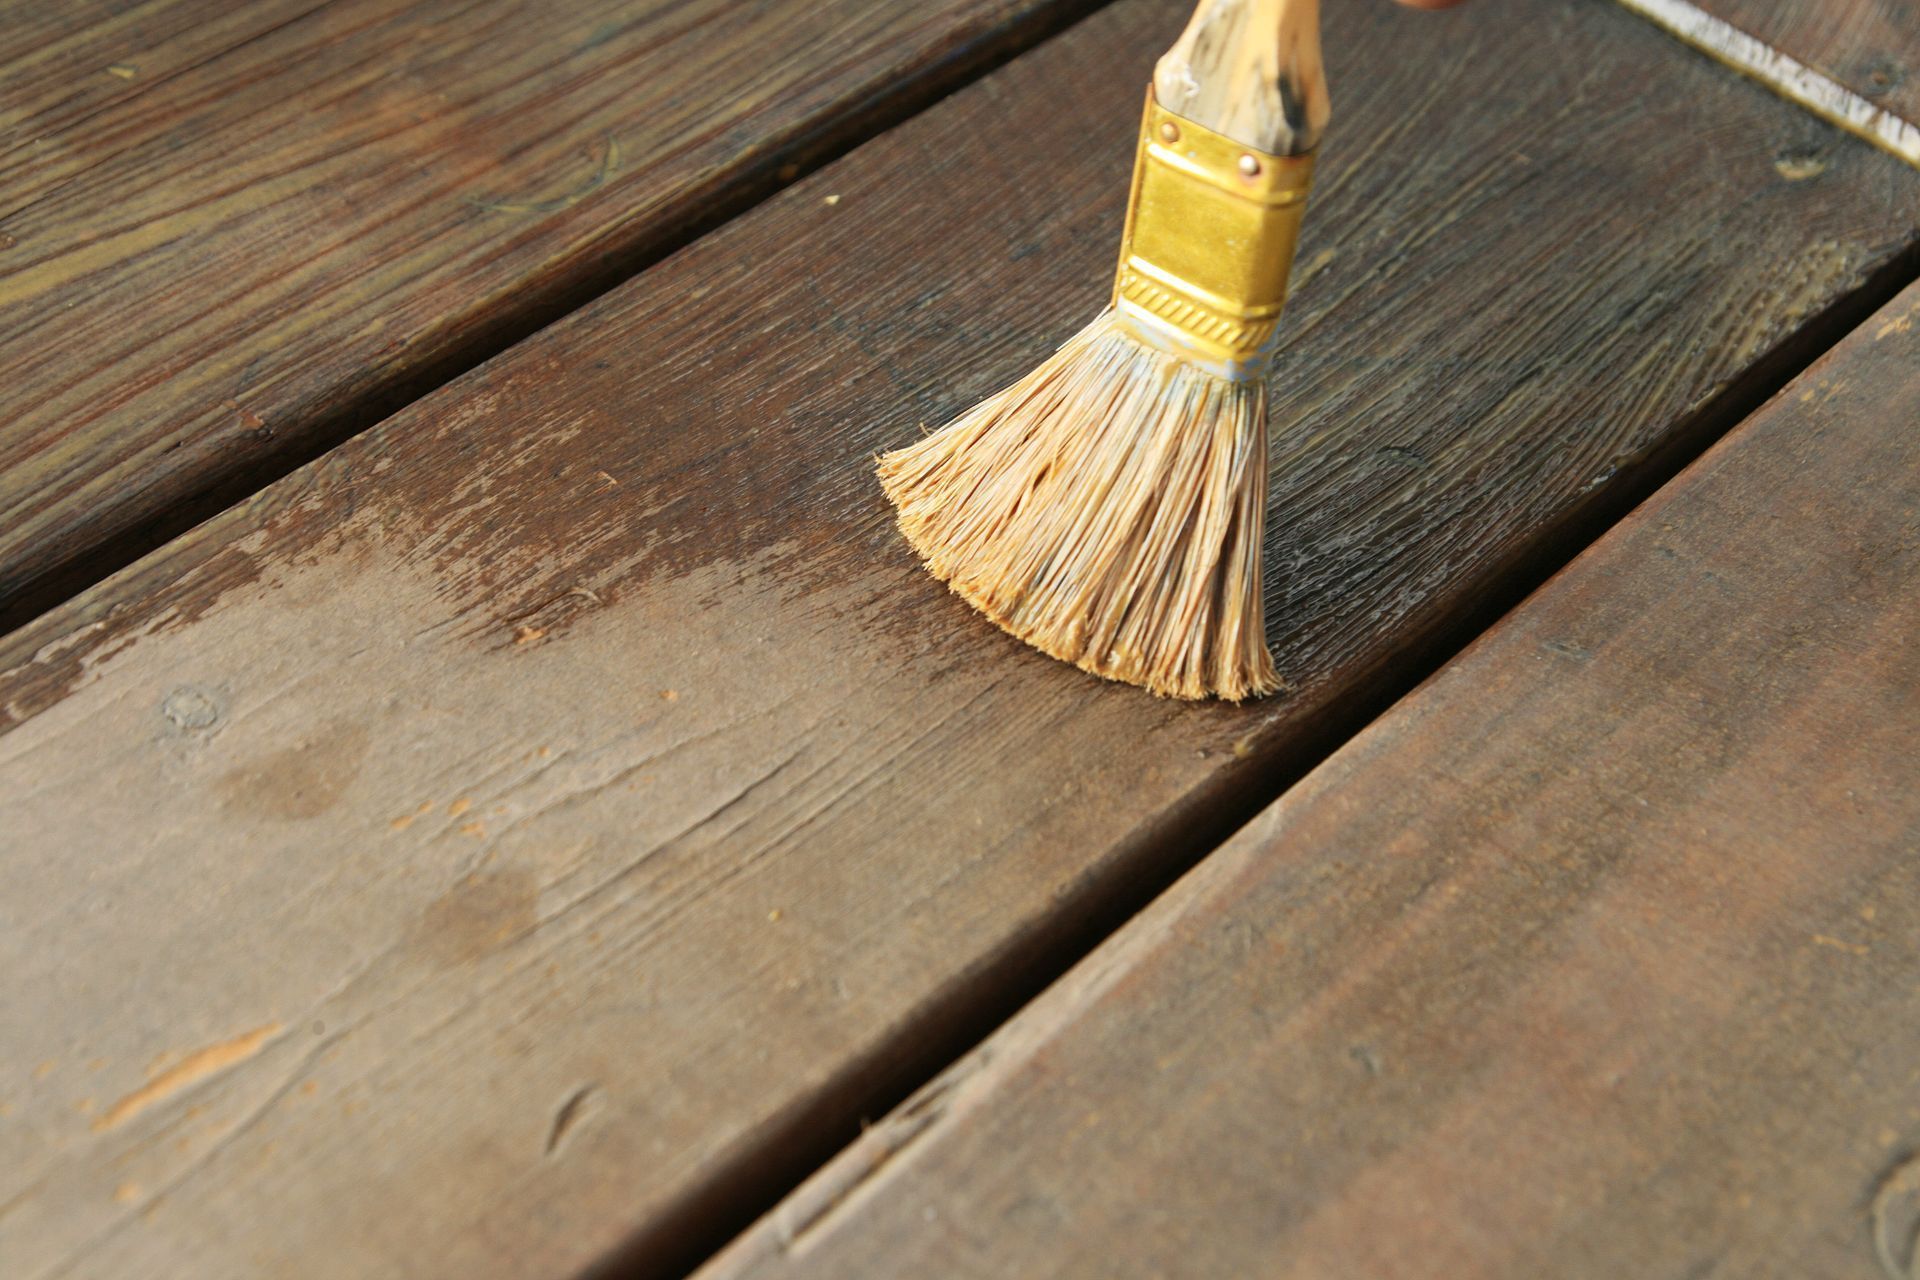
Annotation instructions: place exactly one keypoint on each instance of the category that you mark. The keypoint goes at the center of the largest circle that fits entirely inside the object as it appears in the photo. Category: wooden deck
(237, 234)
(1595, 956)
(543, 813)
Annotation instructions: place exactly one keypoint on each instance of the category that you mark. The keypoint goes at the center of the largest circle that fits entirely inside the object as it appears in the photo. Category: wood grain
(1855, 62)
(232, 234)
(577, 805)
(1593, 958)
(63, 63)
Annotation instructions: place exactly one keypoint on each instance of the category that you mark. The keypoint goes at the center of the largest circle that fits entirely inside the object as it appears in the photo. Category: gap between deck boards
(538, 307)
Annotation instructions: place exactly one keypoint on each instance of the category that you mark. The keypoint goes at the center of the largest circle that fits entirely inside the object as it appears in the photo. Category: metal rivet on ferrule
(1249, 166)
(1169, 131)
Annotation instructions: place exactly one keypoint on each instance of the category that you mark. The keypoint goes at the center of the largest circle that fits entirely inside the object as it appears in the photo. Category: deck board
(567, 808)
(1593, 958)
(231, 234)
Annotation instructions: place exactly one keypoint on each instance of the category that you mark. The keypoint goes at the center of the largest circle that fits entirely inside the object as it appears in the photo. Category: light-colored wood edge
(1787, 76)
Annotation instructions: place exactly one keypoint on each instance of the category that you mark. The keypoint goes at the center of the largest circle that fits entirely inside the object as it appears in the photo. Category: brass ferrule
(1209, 243)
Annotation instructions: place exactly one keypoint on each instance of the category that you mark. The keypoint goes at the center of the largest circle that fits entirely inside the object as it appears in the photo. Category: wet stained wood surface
(232, 233)
(1593, 958)
(568, 804)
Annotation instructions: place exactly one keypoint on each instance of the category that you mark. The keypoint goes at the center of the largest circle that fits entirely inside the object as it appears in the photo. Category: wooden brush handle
(1250, 69)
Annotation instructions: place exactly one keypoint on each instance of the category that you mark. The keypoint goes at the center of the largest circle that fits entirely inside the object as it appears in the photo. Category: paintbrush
(1108, 507)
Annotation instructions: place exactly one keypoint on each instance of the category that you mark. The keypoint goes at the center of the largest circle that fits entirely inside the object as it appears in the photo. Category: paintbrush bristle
(1106, 509)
